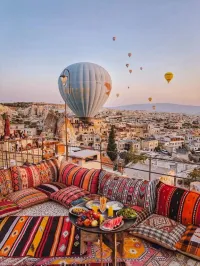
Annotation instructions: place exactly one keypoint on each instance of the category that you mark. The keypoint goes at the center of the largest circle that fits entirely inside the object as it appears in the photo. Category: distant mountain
(162, 107)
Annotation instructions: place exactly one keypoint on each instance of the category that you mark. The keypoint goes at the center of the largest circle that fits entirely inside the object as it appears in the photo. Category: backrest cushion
(24, 177)
(54, 169)
(5, 182)
(178, 204)
(71, 174)
(128, 190)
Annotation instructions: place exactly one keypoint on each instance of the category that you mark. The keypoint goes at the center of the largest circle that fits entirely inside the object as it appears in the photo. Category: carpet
(38, 236)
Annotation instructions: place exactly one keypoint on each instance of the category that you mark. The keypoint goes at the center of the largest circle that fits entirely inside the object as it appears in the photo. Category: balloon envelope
(87, 89)
(150, 99)
(114, 38)
(127, 65)
(130, 71)
(169, 76)
(129, 54)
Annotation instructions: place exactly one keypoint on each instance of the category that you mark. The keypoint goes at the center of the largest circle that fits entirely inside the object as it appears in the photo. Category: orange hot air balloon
(150, 99)
(114, 38)
(127, 65)
(117, 94)
(141, 68)
(130, 71)
(129, 54)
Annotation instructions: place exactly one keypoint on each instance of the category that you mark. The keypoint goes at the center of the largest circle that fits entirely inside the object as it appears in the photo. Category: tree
(194, 175)
(132, 157)
(112, 147)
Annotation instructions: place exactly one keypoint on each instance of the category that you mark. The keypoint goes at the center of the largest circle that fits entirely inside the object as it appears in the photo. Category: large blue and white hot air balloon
(85, 87)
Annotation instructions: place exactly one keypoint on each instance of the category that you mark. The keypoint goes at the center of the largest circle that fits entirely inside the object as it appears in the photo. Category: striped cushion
(178, 204)
(67, 195)
(54, 169)
(7, 207)
(28, 197)
(50, 188)
(128, 190)
(24, 177)
(5, 182)
(71, 174)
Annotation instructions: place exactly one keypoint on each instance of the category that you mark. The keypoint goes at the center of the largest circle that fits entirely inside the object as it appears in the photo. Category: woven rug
(38, 236)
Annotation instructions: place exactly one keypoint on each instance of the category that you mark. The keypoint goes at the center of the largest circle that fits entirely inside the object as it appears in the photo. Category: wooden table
(108, 237)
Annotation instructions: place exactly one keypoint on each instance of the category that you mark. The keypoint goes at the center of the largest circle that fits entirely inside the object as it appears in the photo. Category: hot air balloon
(127, 65)
(150, 99)
(169, 76)
(154, 108)
(141, 68)
(130, 71)
(114, 38)
(85, 89)
(129, 54)
(117, 94)
(128, 87)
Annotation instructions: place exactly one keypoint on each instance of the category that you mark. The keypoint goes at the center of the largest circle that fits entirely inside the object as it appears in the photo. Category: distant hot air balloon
(128, 87)
(117, 94)
(127, 65)
(130, 71)
(129, 54)
(169, 76)
(150, 99)
(114, 38)
(154, 108)
(86, 88)
(141, 68)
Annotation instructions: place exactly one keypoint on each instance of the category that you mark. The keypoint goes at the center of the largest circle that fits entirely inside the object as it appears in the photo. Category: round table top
(97, 230)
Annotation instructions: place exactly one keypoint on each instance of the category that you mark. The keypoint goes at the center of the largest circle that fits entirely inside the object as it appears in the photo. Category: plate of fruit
(127, 213)
(77, 211)
(112, 224)
(89, 219)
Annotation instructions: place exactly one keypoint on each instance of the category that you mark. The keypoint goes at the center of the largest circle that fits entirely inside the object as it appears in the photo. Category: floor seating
(167, 225)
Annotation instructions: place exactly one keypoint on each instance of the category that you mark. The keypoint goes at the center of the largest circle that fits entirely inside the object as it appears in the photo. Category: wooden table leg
(101, 248)
(114, 253)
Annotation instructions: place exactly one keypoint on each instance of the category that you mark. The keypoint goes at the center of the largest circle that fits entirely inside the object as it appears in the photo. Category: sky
(39, 38)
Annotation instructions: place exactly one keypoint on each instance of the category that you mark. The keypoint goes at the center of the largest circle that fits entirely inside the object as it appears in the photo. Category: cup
(95, 208)
(110, 211)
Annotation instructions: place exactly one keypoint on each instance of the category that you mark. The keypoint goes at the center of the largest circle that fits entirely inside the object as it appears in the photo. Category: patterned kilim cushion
(67, 195)
(5, 182)
(50, 188)
(189, 243)
(142, 215)
(71, 174)
(160, 230)
(54, 169)
(38, 236)
(7, 207)
(24, 177)
(128, 190)
(45, 172)
(178, 204)
(28, 197)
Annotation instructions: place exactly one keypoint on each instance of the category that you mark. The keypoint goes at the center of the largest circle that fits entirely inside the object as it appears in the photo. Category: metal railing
(34, 150)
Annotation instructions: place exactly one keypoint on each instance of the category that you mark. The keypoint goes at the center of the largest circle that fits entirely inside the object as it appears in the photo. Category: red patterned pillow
(128, 190)
(54, 169)
(28, 197)
(7, 207)
(24, 177)
(71, 174)
(67, 195)
(178, 204)
(5, 182)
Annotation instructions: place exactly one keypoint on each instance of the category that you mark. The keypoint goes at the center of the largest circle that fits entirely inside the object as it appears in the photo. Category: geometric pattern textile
(138, 252)
(44, 171)
(71, 174)
(189, 243)
(28, 197)
(50, 188)
(7, 207)
(160, 230)
(54, 169)
(39, 236)
(24, 177)
(129, 191)
(5, 182)
(67, 195)
(178, 204)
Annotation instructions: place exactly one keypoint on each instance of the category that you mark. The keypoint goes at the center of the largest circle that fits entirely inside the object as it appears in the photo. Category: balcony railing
(34, 150)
